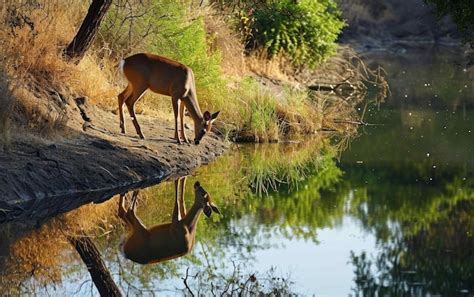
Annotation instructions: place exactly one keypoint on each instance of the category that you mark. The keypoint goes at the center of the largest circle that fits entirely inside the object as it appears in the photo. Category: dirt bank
(91, 161)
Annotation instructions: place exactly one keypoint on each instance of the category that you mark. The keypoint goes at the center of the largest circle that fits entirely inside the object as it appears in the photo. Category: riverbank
(91, 161)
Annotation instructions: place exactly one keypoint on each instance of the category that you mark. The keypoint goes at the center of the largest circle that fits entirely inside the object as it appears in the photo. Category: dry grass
(41, 254)
(279, 67)
(6, 107)
(223, 39)
(33, 36)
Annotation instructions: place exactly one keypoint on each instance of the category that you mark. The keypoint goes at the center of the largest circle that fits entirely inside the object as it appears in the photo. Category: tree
(84, 37)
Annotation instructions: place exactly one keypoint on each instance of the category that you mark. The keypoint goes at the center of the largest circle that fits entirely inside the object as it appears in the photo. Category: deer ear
(214, 115)
(207, 116)
(215, 209)
(207, 211)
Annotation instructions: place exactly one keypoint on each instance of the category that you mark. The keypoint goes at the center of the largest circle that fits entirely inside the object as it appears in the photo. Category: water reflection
(37, 256)
(402, 233)
(435, 260)
(166, 241)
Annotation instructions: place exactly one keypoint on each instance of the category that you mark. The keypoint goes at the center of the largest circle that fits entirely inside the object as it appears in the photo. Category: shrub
(306, 30)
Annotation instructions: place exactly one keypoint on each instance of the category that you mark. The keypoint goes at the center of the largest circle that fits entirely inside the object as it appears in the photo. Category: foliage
(258, 111)
(171, 29)
(462, 14)
(304, 30)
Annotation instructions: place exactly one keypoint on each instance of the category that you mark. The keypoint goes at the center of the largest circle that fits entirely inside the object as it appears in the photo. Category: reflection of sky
(322, 269)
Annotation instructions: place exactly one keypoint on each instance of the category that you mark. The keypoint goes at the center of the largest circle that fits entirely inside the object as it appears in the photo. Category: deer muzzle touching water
(166, 77)
(165, 241)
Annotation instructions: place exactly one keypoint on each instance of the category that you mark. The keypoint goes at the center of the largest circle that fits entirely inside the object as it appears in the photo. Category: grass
(33, 63)
(226, 80)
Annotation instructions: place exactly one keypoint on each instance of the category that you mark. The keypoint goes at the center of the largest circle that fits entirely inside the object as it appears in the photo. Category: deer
(166, 241)
(163, 76)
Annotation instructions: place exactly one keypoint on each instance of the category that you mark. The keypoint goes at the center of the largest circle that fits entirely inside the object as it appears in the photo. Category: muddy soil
(91, 161)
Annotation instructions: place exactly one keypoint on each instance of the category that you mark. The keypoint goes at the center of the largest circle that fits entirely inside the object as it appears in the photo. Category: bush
(306, 30)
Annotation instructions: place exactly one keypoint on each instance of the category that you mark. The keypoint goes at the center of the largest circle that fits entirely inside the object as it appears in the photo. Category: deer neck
(192, 216)
(192, 106)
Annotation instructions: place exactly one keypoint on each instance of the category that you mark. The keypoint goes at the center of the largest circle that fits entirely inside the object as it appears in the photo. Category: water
(392, 216)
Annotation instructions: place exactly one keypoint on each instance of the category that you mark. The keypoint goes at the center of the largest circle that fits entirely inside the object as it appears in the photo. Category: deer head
(205, 126)
(204, 199)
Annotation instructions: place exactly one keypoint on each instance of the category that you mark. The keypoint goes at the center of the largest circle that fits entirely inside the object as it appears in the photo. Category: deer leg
(182, 205)
(131, 215)
(181, 120)
(122, 97)
(176, 102)
(134, 200)
(121, 208)
(175, 218)
(130, 102)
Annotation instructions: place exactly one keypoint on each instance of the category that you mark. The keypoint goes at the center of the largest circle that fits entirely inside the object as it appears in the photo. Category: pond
(391, 215)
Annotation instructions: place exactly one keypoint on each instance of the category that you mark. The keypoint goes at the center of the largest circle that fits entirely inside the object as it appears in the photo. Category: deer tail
(120, 67)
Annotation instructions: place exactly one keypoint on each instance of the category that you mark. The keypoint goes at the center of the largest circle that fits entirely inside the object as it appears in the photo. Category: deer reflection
(166, 241)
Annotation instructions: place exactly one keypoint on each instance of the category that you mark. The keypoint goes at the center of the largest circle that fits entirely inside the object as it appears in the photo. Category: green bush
(306, 30)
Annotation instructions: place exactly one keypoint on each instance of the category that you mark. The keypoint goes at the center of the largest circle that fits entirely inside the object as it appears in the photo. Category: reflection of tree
(91, 257)
(438, 259)
(418, 207)
(426, 242)
(300, 213)
(297, 210)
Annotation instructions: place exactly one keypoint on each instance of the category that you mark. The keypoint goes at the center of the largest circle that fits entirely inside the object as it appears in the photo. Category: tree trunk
(90, 255)
(84, 37)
